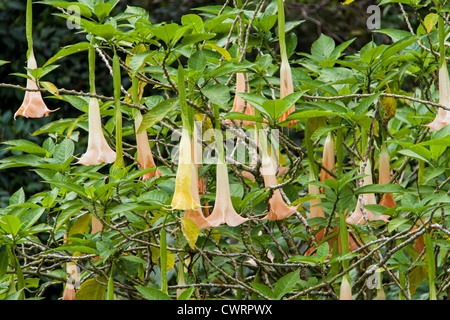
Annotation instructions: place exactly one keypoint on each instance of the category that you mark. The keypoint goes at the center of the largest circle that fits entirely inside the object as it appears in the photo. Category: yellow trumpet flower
(98, 150)
(33, 105)
(183, 198)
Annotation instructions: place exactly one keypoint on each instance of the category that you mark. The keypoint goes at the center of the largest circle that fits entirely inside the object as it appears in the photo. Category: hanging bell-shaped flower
(346, 289)
(183, 198)
(384, 177)
(33, 105)
(443, 116)
(144, 153)
(286, 88)
(357, 216)
(223, 211)
(328, 159)
(98, 150)
(239, 104)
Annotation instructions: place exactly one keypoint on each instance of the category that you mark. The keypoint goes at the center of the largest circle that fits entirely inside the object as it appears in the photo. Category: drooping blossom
(346, 289)
(183, 198)
(223, 211)
(72, 281)
(144, 153)
(196, 214)
(443, 116)
(33, 105)
(278, 209)
(368, 198)
(328, 158)
(98, 150)
(384, 177)
(239, 104)
(315, 209)
(286, 88)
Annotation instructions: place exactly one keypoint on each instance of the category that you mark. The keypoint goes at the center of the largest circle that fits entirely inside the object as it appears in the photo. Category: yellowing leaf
(50, 87)
(91, 290)
(221, 50)
(347, 2)
(430, 21)
(170, 258)
(190, 231)
(81, 225)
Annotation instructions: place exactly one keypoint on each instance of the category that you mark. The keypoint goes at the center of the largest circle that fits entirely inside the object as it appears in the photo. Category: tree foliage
(224, 163)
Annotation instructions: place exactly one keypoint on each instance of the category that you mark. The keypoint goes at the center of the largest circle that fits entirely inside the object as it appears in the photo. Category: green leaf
(139, 59)
(157, 113)
(166, 32)
(323, 250)
(265, 290)
(286, 283)
(322, 47)
(26, 146)
(80, 8)
(395, 223)
(102, 10)
(197, 61)
(218, 94)
(91, 290)
(186, 294)
(10, 224)
(68, 50)
(380, 188)
(17, 197)
(193, 20)
(152, 293)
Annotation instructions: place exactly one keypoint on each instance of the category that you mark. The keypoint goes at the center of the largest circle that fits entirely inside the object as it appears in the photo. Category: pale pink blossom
(443, 116)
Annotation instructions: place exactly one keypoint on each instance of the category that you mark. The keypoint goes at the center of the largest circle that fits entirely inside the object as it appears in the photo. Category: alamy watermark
(374, 20)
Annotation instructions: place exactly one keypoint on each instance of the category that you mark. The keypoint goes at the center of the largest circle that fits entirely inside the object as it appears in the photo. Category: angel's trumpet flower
(384, 177)
(223, 211)
(278, 209)
(346, 289)
(286, 88)
(72, 281)
(368, 198)
(98, 150)
(328, 159)
(196, 214)
(183, 198)
(33, 105)
(443, 116)
(239, 104)
(144, 153)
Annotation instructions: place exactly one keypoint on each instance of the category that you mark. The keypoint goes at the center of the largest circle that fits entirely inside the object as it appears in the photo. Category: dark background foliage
(341, 22)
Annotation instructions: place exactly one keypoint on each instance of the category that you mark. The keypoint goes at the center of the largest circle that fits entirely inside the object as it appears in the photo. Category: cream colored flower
(223, 211)
(33, 105)
(286, 88)
(443, 116)
(98, 150)
(239, 104)
(346, 289)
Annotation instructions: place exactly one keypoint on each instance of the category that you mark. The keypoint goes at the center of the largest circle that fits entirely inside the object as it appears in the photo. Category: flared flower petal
(286, 88)
(33, 105)
(183, 198)
(98, 150)
(278, 209)
(239, 104)
(223, 211)
(144, 153)
(443, 116)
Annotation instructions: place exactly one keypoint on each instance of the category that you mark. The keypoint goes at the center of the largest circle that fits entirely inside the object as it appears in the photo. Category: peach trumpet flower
(443, 116)
(144, 153)
(239, 104)
(328, 159)
(33, 105)
(286, 88)
(384, 177)
(223, 211)
(357, 216)
(278, 209)
(98, 150)
(183, 198)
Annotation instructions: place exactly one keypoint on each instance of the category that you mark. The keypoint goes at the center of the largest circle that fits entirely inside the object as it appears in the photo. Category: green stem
(310, 150)
(91, 59)
(29, 26)
(441, 40)
(186, 115)
(110, 290)
(119, 163)
(163, 259)
(218, 134)
(281, 30)
(339, 152)
(431, 265)
(344, 238)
